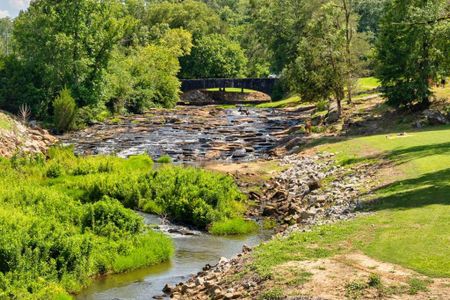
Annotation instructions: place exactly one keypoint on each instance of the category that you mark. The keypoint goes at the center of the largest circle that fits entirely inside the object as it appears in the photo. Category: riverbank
(396, 247)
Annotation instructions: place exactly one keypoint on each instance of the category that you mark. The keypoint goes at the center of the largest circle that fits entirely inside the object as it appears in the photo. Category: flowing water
(190, 134)
(192, 253)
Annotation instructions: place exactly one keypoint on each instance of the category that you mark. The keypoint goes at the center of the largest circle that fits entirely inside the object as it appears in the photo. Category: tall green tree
(69, 42)
(322, 68)
(410, 51)
(214, 56)
(193, 16)
(280, 25)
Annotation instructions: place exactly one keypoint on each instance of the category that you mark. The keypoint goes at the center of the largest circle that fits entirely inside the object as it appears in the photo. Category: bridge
(265, 85)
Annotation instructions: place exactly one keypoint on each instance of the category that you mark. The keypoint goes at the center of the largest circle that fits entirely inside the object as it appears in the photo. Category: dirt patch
(251, 172)
(355, 276)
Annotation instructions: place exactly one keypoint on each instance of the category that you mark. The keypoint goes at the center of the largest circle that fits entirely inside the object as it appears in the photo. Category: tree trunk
(348, 7)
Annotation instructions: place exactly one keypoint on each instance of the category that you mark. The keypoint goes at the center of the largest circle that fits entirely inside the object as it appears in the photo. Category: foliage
(219, 57)
(67, 219)
(51, 243)
(64, 111)
(69, 42)
(280, 25)
(233, 226)
(193, 16)
(409, 50)
(142, 79)
(370, 12)
(164, 159)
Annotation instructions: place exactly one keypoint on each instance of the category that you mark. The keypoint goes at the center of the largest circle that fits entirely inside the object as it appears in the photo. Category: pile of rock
(312, 190)
(211, 282)
(17, 137)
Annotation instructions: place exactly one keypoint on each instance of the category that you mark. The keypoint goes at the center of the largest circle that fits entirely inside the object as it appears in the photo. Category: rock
(246, 249)
(269, 210)
(199, 281)
(435, 117)
(168, 289)
(313, 184)
(181, 231)
(223, 260)
(333, 115)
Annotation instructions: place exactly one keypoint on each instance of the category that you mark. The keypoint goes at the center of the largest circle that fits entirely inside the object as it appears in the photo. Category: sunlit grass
(291, 101)
(412, 209)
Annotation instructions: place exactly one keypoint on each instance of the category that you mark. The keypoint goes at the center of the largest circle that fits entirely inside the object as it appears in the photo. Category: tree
(214, 56)
(410, 52)
(146, 77)
(370, 12)
(69, 42)
(5, 36)
(279, 25)
(193, 16)
(325, 56)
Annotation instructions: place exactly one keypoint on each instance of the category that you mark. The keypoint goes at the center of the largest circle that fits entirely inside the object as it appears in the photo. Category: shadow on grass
(403, 155)
(428, 189)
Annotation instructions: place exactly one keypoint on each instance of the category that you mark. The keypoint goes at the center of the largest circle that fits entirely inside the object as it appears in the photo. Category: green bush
(108, 217)
(322, 105)
(64, 111)
(165, 159)
(233, 226)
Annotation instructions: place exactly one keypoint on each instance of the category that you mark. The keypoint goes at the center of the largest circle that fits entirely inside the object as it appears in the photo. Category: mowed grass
(367, 84)
(288, 102)
(411, 221)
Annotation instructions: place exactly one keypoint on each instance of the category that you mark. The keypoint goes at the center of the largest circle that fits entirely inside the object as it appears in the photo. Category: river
(191, 255)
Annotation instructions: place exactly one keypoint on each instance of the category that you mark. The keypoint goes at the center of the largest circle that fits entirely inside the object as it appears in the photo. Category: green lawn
(411, 223)
(291, 101)
(367, 84)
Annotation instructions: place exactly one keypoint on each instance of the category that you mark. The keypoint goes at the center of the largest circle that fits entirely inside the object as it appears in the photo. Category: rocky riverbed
(190, 134)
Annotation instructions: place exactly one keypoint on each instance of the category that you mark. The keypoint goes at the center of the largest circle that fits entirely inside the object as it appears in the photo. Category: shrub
(165, 159)
(233, 226)
(64, 111)
(322, 105)
(54, 171)
(108, 217)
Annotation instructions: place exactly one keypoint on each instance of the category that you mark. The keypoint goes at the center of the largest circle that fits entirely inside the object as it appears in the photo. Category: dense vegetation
(70, 218)
(126, 56)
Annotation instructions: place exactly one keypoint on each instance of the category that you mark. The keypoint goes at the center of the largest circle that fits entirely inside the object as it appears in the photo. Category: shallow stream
(193, 252)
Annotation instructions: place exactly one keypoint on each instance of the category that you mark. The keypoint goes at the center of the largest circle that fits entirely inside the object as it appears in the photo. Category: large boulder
(435, 117)
(333, 114)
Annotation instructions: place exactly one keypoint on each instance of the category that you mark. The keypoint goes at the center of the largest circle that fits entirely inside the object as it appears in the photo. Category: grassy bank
(411, 212)
(66, 219)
